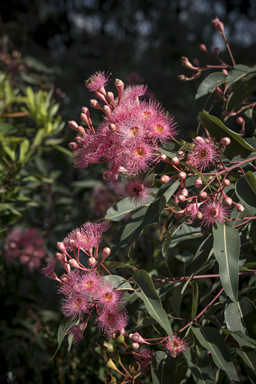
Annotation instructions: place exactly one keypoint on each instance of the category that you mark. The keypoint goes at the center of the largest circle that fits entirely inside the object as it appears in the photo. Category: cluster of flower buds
(129, 137)
(85, 289)
(26, 246)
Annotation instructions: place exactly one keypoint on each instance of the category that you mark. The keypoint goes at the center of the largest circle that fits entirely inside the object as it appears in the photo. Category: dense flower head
(213, 211)
(138, 191)
(76, 305)
(176, 346)
(89, 282)
(111, 320)
(87, 236)
(130, 134)
(70, 284)
(25, 246)
(203, 153)
(97, 81)
(108, 297)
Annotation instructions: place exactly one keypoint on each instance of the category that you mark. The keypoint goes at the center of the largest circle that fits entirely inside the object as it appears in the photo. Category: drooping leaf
(249, 358)
(120, 210)
(194, 300)
(218, 130)
(240, 92)
(163, 368)
(210, 339)
(64, 327)
(236, 73)
(145, 322)
(205, 94)
(198, 362)
(226, 250)
(248, 311)
(246, 190)
(116, 264)
(151, 299)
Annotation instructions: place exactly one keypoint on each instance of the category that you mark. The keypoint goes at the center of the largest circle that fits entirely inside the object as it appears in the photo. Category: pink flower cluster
(85, 289)
(26, 247)
(176, 346)
(129, 137)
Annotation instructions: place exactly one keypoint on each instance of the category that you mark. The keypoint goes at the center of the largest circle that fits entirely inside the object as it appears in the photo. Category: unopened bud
(182, 77)
(110, 97)
(228, 201)
(73, 263)
(107, 347)
(225, 141)
(164, 179)
(225, 72)
(199, 215)
(181, 198)
(218, 25)
(179, 215)
(184, 192)
(196, 62)
(239, 207)
(92, 262)
(94, 103)
(135, 346)
(73, 125)
(217, 51)
(106, 252)
(163, 157)
(175, 161)
(239, 120)
(107, 111)
(186, 63)
(202, 195)
(112, 127)
(182, 175)
(200, 139)
(73, 145)
(61, 247)
(226, 182)
(203, 48)
(198, 183)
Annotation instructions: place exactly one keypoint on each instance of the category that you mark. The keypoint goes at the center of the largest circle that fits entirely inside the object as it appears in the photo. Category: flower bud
(106, 252)
(225, 72)
(184, 192)
(239, 207)
(239, 120)
(179, 215)
(107, 111)
(182, 175)
(92, 262)
(196, 62)
(228, 201)
(203, 48)
(73, 125)
(112, 127)
(135, 346)
(225, 141)
(61, 247)
(164, 179)
(182, 77)
(186, 63)
(107, 347)
(226, 182)
(199, 215)
(73, 145)
(94, 103)
(73, 263)
(163, 157)
(198, 183)
(218, 25)
(175, 160)
(202, 195)
(217, 51)
(200, 139)
(110, 97)
(181, 198)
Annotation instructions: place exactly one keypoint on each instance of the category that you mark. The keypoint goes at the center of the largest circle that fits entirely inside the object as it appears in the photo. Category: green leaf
(248, 311)
(120, 210)
(226, 247)
(118, 282)
(7, 129)
(64, 326)
(240, 92)
(195, 299)
(63, 150)
(205, 94)
(151, 299)
(24, 148)
(145, 322)
(198, 361)
(218, 130)
(248, 357)
(211, 340)
(236, 73)
(172, 228)
(246, 190)
(116, 264)
(168, 194)
(163, 368)
(233, 318)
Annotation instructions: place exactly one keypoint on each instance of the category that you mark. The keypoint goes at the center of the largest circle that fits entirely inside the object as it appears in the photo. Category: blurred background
(53, 46)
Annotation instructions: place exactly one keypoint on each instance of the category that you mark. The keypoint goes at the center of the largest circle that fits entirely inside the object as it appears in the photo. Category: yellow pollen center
(108, 296)
(111, 318)
(78, 302)
(89, 284)
(140, 152)
(159, 128)
(146, 114)
(134, 131)
(136, 191)
(204, 153)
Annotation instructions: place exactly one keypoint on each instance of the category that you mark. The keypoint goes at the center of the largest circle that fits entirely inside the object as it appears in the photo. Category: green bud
(107, 347)
(118, 336)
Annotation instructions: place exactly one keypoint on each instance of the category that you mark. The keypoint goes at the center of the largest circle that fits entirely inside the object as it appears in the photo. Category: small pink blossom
(192, 210)
(176, 346)
(145, 359)
(138, 191)
(107, 296)
(111, 320)
(70, 284)
(89, 283)
(76, 305)
(212, 211)
(97, 82)
(202, 154)
(77, 332)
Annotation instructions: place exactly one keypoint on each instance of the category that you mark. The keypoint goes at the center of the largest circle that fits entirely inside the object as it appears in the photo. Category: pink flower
(192, 210)
(97, 82)
(202, 154)
(89, 283)
(76, 305)
(176, 346)
(145, 359)
(137, 191)
(107, 297)
(25, 246)
(111, 320)
(77, 332)
(70, 284)
(87, 236)
(212, 211)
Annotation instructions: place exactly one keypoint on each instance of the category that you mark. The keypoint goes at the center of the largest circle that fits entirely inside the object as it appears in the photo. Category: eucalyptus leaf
(246, 190)
(205, 96)
(64, 327)
(163, 368)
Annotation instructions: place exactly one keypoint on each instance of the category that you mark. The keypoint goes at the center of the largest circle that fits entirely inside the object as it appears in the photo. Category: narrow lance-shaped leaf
(205, 94)
(163, 368)
(198, 361)
(210, 339)
(151, 299)
(64, 326)
(226, 250)
(249, 358)
(195, 299)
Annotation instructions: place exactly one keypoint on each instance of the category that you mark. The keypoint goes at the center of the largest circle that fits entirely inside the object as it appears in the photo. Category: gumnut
(134, 367)
(118, 336)
(239, 120)
(107, 347)
(198, 183)
(175, 160)
(135, 346)
(182, 175)
(226, 182)
(164, 179)
(239, 207)
(228, 201)
(225, 141)
(202, 195)
(109, 379)
(106, 252)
